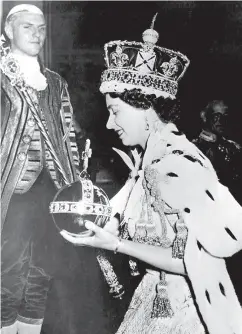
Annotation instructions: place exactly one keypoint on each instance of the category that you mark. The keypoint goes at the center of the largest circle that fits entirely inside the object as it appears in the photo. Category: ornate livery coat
(21, 160)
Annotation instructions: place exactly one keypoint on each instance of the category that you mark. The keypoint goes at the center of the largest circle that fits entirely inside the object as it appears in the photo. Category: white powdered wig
(25, 8)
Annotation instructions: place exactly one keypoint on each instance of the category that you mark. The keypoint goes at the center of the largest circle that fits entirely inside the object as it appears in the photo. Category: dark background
(209, 33)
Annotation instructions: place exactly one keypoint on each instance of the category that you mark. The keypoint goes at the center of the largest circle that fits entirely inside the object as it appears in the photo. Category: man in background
(225, 154)
(226, 157)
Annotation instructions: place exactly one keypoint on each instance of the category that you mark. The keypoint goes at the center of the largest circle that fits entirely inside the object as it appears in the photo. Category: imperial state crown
(143, 65)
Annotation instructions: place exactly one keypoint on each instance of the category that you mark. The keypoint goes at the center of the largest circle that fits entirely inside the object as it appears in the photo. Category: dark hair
(168, 110)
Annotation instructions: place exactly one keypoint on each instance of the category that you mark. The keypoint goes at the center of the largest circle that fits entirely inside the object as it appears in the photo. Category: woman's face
(127, 121)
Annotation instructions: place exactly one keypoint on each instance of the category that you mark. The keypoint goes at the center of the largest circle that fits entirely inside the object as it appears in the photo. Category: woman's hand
(102, 238)
(112, 226)
(156, 256)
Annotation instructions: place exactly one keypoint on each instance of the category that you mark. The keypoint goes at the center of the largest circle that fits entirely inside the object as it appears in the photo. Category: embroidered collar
(30, 69)
(22, 70)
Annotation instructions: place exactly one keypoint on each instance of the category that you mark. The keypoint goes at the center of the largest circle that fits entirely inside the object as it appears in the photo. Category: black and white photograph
(121, 167)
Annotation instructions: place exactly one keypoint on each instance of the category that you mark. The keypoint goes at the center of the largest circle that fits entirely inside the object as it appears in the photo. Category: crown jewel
(153, 69)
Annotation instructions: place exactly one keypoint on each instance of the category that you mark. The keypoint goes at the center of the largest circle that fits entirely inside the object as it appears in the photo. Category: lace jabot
(30, 70)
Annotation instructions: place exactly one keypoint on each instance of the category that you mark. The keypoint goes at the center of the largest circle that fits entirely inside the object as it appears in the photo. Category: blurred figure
(225, 155)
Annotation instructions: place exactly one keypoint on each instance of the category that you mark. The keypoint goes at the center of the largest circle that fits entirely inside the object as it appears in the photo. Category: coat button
(21, 156)
(31, 122)
(26, 139)
(47, 155)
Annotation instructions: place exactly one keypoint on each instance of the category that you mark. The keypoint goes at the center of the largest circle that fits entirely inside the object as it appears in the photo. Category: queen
(175, 216)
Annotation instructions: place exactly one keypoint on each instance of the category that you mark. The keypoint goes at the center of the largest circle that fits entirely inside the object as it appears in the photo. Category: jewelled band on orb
(80, 208)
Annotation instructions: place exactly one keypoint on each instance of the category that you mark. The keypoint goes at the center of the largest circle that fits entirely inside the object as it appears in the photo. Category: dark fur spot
(177, 152)
(172, 174)
(188, 157)
(202, 156)
(222, 289)
(178, 133)
(168, 145)
(155, 161)
(199, 162)
(199, 245)
(207, 296)
(187, 210)
(209, 194)
(230, 233)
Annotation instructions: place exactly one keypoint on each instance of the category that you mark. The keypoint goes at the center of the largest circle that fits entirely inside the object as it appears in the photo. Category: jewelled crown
(144, 65)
